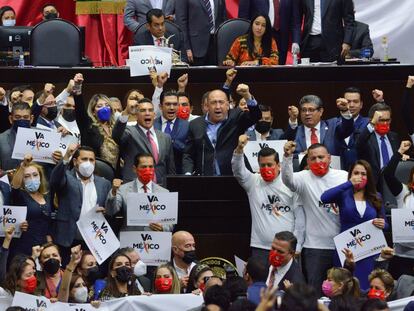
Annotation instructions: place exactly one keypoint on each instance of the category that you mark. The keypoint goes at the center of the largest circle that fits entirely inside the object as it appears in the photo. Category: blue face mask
(32, 185)
(9, 22)
(21, 123)
(104, 114)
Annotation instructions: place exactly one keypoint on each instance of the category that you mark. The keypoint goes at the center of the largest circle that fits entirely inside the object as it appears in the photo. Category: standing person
(322, 221)
(256, 47)
(184, 255)
(403, 261)
(358, 202)
(272, 205)
(327, 30)
(199, 20)
(285, 21)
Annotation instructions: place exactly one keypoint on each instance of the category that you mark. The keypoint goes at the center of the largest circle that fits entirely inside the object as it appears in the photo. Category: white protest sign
(143, 208)
(39, 143)
(153, 247)
(12, 216)
(144, 58)
(31, 302)
(335, 162)
(364, 240)
(252, 149)
(5, 179)
(60, 306)
(98, 235)
(240, 265)
(402, 220)
(65, 141)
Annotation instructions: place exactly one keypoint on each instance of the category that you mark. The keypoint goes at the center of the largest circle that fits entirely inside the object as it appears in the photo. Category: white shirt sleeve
(61, 99)
(287, 174)
(299, 226)
(156, 100)
(242, 174)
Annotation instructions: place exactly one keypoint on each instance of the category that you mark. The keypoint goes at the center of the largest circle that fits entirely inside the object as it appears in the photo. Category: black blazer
(293, 275)
(148, 40)
(361, 40)
(337, 24)
(145, 283)
(199, 154)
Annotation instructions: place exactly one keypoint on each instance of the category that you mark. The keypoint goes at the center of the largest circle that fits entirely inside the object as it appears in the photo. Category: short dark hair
(300, 297)
(266, 151)
(265, 108)
(374, 305)
(353, 89)
(142, 155)
(242, 305)
(145, 100)
(217, 295)
(313, 99)
(4, 9)
(316, 146)
(49, 4)
(378, 107)
(287, 236)
(20, 106)
(257, 269)
(167, 93)
(236, 286)
(154, 12)
(184, 94)
(82, 148)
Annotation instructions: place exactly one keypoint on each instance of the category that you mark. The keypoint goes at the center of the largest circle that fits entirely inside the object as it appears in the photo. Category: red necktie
(154, 151)
(145, 188)
(272, 278)
(314, 138)
(276, 20)
(158, 41)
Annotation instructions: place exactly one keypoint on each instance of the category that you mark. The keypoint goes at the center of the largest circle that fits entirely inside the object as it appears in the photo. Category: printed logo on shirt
(39, 142)
(329, 207)
(152, 206)
(275, 206)
(100, 231)
(146, 245)
(358, 239)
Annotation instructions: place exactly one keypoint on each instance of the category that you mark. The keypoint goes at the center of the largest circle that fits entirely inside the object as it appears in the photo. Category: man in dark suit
(169, 124)
(140, 269)
(135, 11)
(144, 138)
(327, 30)
(199, 19)
(314, 130)
(282, 262)
(78, 190)
(361, 40)
(285, 18)
(213, 137)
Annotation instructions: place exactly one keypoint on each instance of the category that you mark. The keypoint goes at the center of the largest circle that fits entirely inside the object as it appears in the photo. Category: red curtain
(107, 39)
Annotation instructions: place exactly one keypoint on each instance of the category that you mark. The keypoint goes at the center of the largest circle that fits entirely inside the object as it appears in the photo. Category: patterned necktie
(314, 138)
(145, 188)
(384, 152)
(276, 20)
(168, 129)
(272, 278)
(158, 40)
(210, 14)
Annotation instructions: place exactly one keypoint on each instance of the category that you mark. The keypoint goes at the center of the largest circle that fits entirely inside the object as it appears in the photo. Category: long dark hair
(266, 39)
(410, 185)
(370, 191)
(15, 271)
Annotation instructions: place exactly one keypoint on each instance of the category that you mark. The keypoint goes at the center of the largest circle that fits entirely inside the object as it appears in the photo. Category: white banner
(39, 143)
(143, 208)
(143, 58)
(177, 302)
(12, 216)
(364, 240)
(251, 150)
(402, 220)
(98, 235)
(153, 247)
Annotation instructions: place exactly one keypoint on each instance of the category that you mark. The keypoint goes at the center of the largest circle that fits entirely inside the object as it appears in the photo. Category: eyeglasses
(308, 110)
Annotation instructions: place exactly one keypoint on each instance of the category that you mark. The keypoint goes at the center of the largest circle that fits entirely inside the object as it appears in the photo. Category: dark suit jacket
(290, 21)
(331, 132)
(42, 121)
(275, 134)
(145, 283)
(337, 24)
(148, 40)
(361, 40)
(69, 191)
(179, 137)
(192, 17)
(294, 275)
(132, 140)
(7, 140)
(5, 191)
(199, 147)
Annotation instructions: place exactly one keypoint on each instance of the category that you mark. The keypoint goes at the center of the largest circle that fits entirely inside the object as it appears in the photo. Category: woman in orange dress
(256, 47)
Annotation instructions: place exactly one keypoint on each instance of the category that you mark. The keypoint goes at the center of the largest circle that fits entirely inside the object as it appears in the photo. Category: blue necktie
(384, 152)
(168, 128)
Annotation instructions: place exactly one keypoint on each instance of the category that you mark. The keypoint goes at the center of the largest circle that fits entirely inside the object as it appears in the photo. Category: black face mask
(123, 274)
(189, 257)
(51, 113)
(51, 15)
(262, 127)
(92, 274)
(51, 266)
(69, 115)
(21, 123)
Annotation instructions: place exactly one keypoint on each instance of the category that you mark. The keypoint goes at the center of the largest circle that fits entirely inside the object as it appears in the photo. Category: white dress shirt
(156, 4)
(153, 135)
(308, 133)
(89, 196)
(271, 12)
(181, 272)
(280, 273)
(317, 19)
(164, 124)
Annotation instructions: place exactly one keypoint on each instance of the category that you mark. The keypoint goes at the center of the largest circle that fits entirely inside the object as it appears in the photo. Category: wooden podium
(216, 211)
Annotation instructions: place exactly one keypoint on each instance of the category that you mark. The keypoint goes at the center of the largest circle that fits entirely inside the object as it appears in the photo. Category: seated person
(7, 16)
(49, 11)
(198, 278)
(361, 40)
(166, 280)
(381, 285)
(256, 47)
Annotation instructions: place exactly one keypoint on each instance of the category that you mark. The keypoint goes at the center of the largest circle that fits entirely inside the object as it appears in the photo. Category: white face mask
(81, 294)
(86, 169)
(140, 268)
(9, 22)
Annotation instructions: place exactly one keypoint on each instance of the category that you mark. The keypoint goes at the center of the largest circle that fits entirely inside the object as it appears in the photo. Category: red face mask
(163, 285)
(145, 175)
(183, 112)
(30, 285)
(376, 294)
(202, 286)
(382, 128)
(276, 259)
(268, 173)
(362, 184)
(319, 168)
